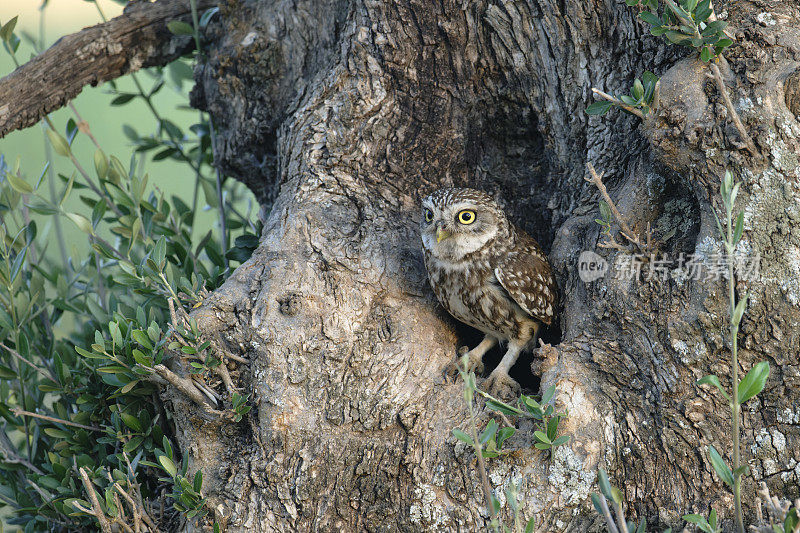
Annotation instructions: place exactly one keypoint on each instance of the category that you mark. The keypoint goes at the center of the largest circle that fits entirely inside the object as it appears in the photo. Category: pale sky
(61, 16)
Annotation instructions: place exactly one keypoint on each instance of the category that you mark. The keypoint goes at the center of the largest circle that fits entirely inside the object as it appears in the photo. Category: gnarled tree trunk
(341, 115)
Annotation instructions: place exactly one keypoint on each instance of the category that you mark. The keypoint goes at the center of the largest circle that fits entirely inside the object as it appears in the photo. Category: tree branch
(136, 39)
(617, 101)
(734, 116)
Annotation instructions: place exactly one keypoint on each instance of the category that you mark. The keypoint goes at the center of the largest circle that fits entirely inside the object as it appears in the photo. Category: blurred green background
(45, 23)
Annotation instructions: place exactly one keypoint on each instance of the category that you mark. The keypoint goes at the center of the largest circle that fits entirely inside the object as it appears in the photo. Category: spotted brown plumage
(487, 273)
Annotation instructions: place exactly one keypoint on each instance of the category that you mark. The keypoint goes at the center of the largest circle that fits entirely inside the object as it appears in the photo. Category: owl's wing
(526, 276)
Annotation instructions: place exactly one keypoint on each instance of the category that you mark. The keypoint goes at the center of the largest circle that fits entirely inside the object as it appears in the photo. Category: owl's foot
(500, 385)
(474, 363)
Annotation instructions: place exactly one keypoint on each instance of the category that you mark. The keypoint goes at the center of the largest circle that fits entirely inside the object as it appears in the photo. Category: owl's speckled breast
(471, 293)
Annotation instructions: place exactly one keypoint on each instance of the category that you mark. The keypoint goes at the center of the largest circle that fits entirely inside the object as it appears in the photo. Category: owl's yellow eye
(428, 216)
(467, 216)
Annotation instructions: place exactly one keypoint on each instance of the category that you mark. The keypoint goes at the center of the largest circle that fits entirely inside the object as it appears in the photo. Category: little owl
(487, 273)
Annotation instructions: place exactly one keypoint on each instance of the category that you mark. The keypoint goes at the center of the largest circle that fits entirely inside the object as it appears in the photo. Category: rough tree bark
(340, 115)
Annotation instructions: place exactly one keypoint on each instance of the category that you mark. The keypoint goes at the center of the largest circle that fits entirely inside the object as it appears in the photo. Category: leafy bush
(88, 342)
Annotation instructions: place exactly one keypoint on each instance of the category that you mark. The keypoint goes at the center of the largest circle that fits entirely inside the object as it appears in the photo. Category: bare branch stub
(136, 39)
(625, 230)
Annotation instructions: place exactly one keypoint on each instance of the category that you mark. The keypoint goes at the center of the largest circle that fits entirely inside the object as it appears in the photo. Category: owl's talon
(500, 385)
(474, 363)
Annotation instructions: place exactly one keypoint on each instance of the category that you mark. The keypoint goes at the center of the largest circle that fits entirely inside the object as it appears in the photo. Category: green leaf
(488, 432)
(100, 164)
(178, 27)
(599, 108)
(7, 373)
(713, 27)
(529, 527)
(695, 519)
(650, 18)
(131, 421)
(791, 521)
(60, 144)
(168, 465)
(705, 54)
(642, 526)
(720, 467)
(638, 89)
(8, 29)
(723, 43)
(604, 484)
(713, 380)
(82, 222)
(738, 311)
(712, 519)
(123, 99)
(563, 439)
(463, 437)
(542, 437)
(16, 266)
(18, 184)
(719, 227)
(142, 338)
(504, 434)
(753, 383)
(160, 252)
(596, 502)
(677, 37)
(739, 228)
(502, 407)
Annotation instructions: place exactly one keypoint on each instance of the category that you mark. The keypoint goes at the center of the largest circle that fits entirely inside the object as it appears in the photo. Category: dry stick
(731, 110)
(17, 412)
(623, 105)
(97, 510)
(186, 386)
(138, 493)
(237, 358)
(626, 230)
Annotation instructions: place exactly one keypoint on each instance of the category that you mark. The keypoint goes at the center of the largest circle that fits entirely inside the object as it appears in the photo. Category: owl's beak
(441, 234)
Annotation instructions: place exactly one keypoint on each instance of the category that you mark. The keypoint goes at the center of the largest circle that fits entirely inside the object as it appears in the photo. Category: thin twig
(617, 101)
(626, 231)
(237, 358)
(83, 126)
(731, 110)
(620, 516)
(612, 527)
(39, 369)
(19, 412)
(10, 453)
(97, 510)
